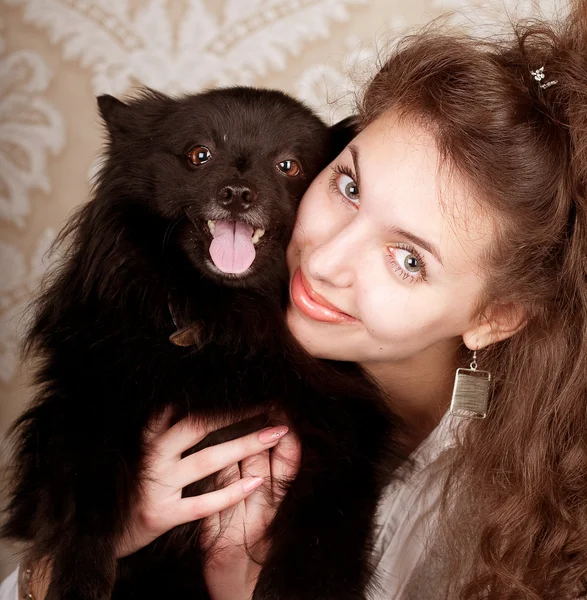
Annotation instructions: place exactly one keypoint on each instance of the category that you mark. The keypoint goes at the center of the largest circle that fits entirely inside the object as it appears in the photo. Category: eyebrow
(418, 241)
(355, 155)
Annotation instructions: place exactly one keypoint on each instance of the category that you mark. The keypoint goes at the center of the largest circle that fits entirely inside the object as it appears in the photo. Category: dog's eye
(199, 155)
(291, 168)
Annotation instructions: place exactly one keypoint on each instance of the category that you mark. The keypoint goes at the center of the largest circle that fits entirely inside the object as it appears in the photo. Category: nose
(333, 262)
(237, 195)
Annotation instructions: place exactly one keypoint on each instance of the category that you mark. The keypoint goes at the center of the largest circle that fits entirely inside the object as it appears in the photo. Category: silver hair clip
(539, 76)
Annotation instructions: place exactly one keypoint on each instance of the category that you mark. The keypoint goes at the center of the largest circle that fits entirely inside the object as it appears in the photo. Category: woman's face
(386, 253)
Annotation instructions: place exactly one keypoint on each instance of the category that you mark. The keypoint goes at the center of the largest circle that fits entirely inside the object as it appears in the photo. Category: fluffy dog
(171, 295)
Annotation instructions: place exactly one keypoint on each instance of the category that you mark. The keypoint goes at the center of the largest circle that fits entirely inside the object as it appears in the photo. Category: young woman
(452, 229)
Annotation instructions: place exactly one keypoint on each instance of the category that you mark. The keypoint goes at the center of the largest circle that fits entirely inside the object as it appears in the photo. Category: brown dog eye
(291, 168)
(199, 155)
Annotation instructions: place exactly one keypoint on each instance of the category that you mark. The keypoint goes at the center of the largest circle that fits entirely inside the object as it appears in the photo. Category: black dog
(143, 265)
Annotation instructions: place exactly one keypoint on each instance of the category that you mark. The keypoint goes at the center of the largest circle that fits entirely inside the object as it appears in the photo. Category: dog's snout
(237, 195)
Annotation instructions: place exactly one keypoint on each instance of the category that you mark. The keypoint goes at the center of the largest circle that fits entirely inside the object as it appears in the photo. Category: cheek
(403, 315)
(388, 315)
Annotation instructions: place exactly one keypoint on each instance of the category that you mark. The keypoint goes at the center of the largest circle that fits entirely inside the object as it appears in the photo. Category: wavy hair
(518, 478)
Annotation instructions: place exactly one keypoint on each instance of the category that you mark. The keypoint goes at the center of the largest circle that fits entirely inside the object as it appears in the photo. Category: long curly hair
(518, 479)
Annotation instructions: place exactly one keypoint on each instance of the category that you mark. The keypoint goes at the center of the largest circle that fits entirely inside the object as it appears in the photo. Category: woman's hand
(236, 535)
(161, 506)
(253, 491)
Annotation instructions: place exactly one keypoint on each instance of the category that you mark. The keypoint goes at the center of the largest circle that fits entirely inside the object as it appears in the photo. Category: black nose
(237, 195)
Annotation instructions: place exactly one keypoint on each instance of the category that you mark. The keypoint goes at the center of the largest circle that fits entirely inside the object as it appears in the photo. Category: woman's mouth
(312, 304)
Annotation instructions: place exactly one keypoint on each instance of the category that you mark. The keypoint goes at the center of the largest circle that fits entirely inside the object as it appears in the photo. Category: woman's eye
(408, 263)
(199, 155)
(348, 188)
(411, 264)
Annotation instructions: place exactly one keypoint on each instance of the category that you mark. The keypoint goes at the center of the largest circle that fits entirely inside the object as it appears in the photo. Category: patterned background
(57, 55)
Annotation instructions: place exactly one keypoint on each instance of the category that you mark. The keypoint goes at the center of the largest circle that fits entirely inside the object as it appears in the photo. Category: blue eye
(343, 183)
(407, 262)
(348, 188)
(411, 263)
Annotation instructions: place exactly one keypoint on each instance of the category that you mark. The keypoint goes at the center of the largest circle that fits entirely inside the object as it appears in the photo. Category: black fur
(136, 269)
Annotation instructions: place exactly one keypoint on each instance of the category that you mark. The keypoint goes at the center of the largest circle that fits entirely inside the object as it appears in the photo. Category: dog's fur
(137, 268)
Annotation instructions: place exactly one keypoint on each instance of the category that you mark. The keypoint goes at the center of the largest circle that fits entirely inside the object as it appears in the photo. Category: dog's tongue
(232, 248)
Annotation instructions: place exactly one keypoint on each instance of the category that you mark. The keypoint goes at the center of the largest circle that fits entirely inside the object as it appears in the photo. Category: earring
(470, 395)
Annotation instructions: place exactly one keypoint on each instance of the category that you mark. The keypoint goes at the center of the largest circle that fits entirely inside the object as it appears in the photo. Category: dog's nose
(237, 195)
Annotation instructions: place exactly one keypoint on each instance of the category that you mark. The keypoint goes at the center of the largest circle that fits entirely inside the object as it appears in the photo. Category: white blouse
(405, 521)
(407, 515)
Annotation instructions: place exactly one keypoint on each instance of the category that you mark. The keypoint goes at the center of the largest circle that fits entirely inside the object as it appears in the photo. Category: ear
(499, 323)
(117, 115)
(341, 134)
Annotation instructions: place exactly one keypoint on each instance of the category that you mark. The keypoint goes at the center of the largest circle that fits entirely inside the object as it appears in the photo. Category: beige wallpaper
(57, 55)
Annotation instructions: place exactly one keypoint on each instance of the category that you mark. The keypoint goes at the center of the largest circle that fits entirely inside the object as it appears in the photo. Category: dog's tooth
(259, 233)
(212, 226)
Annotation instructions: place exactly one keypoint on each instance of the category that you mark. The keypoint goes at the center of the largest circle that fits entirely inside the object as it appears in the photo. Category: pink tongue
(232, 248)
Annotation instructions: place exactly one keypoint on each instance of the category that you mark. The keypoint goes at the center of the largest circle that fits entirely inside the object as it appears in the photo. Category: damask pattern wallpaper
(57, 55)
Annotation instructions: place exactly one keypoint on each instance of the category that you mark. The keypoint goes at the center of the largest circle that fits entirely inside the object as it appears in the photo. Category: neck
(420, 387)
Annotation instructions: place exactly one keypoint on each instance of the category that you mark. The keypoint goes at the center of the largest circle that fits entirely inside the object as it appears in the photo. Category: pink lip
(312, 304)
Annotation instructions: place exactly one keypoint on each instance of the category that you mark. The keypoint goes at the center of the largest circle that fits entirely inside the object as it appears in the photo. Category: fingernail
(252, 484)
(272, 434)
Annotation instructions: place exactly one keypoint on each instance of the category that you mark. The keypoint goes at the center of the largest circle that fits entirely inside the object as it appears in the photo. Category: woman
(453, 228)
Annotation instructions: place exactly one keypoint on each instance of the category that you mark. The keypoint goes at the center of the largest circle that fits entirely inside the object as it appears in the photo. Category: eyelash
(337, 171)
(403, 274)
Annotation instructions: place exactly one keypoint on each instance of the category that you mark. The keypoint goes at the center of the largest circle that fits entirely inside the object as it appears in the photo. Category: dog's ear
(136, 115)
(342, 133)
(116, 114)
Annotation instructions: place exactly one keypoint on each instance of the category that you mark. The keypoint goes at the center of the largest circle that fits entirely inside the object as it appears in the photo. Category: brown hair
(522, 472)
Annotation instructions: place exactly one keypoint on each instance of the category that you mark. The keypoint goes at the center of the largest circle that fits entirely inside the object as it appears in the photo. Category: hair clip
(539, 76)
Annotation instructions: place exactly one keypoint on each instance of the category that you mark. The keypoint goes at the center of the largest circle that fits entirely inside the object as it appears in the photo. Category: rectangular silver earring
(470, 395)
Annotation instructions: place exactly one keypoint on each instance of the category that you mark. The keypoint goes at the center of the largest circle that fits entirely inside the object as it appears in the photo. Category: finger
(182, 436)
(285, 463)
(200, 507)
(224, 478)
(157, 425)
(215, 458)
(258, 509)
(214, 523)
(257, 465)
